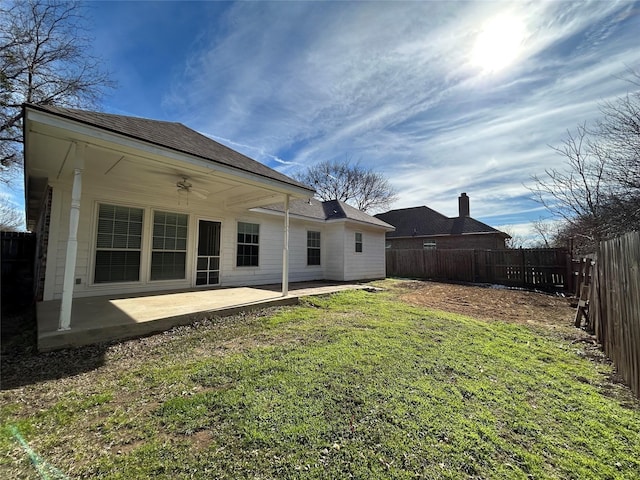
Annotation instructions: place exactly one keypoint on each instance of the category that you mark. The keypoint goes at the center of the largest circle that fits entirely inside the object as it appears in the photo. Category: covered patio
(118, 317)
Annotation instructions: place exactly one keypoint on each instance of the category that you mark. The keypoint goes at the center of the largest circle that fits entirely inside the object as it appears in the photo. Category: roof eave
(36, 114)
(389, 228)
(428, 235)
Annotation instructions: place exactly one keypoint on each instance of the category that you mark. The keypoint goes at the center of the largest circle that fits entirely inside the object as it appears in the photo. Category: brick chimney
(463, 205)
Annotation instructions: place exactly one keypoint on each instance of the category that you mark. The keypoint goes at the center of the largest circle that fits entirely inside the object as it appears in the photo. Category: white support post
(285, 250)
(72, 243)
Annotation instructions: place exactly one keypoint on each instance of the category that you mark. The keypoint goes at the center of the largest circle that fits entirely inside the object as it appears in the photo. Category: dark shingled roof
(423, 222)
(171, 135)
(329, 210)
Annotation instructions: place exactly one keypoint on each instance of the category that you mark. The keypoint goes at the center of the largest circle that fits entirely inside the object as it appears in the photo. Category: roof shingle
(328, 210)
(423, 222)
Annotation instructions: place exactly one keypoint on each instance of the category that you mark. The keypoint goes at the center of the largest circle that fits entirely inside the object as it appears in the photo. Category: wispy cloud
(393, 85)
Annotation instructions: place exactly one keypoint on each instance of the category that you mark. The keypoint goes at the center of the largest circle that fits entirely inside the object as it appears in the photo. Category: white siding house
(124, 205)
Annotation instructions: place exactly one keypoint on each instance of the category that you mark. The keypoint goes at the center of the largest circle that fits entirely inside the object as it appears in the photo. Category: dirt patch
(492, 303)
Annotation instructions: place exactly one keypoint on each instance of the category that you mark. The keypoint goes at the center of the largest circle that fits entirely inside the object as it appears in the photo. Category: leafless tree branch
(351, 183)
(44, 59)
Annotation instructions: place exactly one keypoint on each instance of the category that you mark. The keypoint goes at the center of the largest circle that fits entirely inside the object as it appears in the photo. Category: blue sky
(405, 88)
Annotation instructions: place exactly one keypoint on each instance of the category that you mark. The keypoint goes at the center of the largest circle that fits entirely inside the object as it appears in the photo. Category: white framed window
(358, 245)
(118, 244)
(429, 245)
(248, 251)
(169, 246)
(313, 248)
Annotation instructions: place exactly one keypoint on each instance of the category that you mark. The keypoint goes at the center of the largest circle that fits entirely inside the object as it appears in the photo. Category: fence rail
(542, 268)
(614, 304)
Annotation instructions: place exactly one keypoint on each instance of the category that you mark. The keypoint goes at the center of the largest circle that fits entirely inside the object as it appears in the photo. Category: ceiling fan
(185, 187)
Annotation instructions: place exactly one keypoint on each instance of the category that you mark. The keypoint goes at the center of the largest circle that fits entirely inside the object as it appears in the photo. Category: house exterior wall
(368, 264)
(338, 261)
(470, 241)
(335, 252)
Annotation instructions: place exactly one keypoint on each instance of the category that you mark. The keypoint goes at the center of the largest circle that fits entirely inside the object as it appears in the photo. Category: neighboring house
(125, 205)
(422, 227)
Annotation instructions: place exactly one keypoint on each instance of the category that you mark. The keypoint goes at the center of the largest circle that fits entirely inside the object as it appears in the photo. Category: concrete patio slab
(102, 319)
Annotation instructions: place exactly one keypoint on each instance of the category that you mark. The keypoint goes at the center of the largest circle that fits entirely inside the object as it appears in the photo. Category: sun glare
(498, 44)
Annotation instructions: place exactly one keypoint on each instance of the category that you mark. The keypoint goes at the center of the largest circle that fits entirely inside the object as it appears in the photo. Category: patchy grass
(352, 385)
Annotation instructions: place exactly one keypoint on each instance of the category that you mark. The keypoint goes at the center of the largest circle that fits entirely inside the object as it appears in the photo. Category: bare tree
(349, 182)
(577, 192)
(619, 138)
(579, 188)
(11, 218)
(547, 232)
(515, 240)
(44, 59)
(597, 192)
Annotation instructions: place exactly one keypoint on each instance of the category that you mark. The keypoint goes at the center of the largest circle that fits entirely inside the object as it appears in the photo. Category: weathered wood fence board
(532, 268)
(16, 268)
(614, 305)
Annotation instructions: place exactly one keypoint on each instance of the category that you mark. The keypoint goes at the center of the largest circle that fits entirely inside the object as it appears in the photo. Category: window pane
(104, 240)
(166, 235)
(158, 229)
(313, 256)
(117, 266)
(135, 242)
(105, 225)
(203, 264)
(313, 239)
(107, 211)
(214, 263)
(121, 227)
(120, 241)
(167, 265)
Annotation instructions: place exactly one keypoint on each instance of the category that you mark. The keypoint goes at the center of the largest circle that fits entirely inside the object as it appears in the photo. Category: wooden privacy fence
(16, 267)
(614, 304)
(541, 268)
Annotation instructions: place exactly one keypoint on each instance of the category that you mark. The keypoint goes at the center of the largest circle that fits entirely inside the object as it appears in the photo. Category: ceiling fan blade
(198, 193)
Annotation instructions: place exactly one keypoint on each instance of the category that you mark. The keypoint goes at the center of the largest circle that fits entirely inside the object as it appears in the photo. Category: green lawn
(356, 385)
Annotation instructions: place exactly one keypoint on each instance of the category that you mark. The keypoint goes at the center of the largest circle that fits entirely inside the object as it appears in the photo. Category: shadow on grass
(21, 363)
